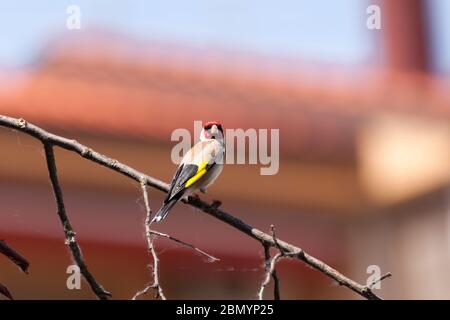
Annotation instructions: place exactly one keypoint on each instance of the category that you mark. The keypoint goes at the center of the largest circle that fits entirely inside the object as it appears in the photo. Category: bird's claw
(195, 196)
(216, 204)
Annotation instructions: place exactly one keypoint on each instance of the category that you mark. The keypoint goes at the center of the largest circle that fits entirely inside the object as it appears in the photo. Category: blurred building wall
(363, 176)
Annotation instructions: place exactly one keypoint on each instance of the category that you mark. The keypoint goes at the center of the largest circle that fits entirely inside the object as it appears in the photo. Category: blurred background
(364, 119)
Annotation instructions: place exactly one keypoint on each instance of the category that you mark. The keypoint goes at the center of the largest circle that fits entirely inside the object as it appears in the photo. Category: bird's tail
(164, 211)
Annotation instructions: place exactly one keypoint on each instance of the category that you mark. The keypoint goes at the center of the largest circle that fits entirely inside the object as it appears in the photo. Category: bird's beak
(214, 130)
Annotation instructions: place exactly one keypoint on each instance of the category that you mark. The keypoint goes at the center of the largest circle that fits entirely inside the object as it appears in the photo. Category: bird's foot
(216, 204)
(195, 196)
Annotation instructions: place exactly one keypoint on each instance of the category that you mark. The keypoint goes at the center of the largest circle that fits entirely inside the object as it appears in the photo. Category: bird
(198, 169)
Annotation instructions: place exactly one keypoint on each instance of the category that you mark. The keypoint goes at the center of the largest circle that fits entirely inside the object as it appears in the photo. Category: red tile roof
(113, 86)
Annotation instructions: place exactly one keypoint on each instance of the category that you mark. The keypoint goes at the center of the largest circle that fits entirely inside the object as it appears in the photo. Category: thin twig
(4, 291)
(276, 280)
(143, 291)
(14, 256)
(149, 233)
(68, 230)
(151, 248)
(269, 266)
(210, 257)
(276, 286)
(156, 270)
(275, 241)
(258, 235)
(269, 272)
(387, 275)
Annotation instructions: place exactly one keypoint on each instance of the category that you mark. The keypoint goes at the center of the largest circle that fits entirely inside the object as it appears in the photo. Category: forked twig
(150, 247)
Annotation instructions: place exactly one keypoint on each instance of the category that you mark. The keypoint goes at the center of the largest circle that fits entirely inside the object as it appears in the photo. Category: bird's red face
(212, 129)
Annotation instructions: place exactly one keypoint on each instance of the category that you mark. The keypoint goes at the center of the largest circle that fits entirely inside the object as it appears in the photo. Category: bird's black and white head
(212, 130)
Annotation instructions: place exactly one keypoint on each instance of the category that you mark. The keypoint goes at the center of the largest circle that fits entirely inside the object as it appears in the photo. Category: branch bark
(150, 236)
(270, 272)
(385, 276)
(269, 266)
(4, 291)
(211, 209)
(67, 227)
(16, 258)
(151, 248)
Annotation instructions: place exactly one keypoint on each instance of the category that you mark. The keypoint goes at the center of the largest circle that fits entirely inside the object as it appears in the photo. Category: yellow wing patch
(200, 173)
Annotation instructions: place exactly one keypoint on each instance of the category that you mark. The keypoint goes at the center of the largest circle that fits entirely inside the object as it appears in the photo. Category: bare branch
(68, 230)
(210, 257)
(4, 291)
(275, 241)
(143, 291)
(276, 281)
(150, 239)
(387, 275)
(150, 247)
(269, 266)
(276, 286)
(14, 256)
(258, 235)
(269, 272)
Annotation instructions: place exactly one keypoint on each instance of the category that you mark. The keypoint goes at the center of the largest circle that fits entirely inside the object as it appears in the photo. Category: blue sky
(440, 23)
(319, 30)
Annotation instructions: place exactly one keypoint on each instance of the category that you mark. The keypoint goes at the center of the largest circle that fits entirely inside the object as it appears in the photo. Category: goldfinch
(198, 169)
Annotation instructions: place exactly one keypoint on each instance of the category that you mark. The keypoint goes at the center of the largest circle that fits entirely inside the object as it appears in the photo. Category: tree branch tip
(383, 277)
(155, 234)
(275, 240)
(14, 256)
(4, 291)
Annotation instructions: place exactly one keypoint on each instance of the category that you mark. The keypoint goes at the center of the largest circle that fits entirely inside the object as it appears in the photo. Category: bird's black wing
(172, 184)
(182, 175)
